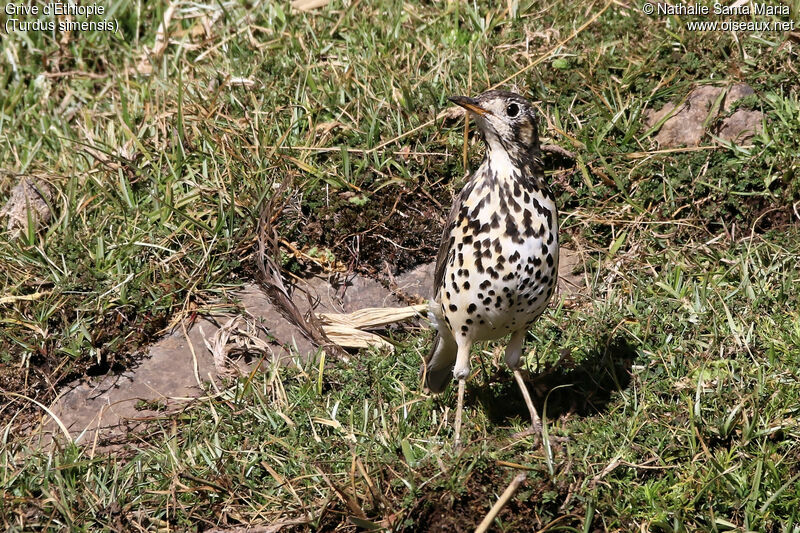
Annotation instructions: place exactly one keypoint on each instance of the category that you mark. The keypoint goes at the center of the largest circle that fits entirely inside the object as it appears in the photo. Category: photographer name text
(721, 9)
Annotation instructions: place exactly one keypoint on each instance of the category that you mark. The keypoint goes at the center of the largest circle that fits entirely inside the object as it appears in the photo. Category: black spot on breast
(485, 284)
(474, 225)
(513, 258)
(466, 285)
(464, 328)
(471, 308)
(487, 301)
(491, 292)
(550, 260)
(511, 228)
(467, 239)
(453, 308)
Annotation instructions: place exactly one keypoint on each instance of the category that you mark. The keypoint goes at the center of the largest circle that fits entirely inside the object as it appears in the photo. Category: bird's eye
(512, 110)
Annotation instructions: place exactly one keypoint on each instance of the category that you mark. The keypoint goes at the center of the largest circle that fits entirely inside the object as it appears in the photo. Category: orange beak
(470, 104)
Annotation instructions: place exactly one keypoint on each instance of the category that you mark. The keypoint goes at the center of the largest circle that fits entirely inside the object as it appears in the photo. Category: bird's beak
(470, 104)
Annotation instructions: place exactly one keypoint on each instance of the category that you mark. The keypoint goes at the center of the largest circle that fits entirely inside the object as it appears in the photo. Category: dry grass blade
(231, 339)
(24, 297)
(271, 281)
(309, 5)
(349, 337)
(373, 317)
(498, 506)
(347, 329)
(145, 62)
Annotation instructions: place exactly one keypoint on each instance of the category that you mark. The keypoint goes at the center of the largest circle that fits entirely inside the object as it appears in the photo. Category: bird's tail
(438, 365)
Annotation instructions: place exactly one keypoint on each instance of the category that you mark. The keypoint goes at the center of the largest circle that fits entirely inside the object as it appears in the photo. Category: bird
(497, 264)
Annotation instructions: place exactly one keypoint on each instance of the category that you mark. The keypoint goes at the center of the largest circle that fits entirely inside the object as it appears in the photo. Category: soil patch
(538, 502)
(392, 230)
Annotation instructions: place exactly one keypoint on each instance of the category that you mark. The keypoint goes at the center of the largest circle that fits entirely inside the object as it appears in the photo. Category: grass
(674, 379)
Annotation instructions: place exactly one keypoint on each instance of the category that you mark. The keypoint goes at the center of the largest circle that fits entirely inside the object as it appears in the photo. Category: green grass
(674, 379)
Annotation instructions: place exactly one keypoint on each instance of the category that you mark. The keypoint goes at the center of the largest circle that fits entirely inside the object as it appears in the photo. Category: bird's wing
(445, 246)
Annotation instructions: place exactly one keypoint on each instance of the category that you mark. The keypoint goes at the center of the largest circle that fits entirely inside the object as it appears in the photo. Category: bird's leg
(460, 372)
(461, 385)
(514, 361)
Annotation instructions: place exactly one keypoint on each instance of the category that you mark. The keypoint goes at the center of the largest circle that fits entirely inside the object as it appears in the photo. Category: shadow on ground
(583, 388)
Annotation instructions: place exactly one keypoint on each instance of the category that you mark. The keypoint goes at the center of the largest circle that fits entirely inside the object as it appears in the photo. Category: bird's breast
(502, 265)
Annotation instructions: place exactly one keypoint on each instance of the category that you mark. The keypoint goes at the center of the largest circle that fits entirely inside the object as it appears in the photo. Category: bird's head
(506, 120)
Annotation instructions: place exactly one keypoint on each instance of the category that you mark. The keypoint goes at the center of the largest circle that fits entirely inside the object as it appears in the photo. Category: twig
(498, 506)
(555, 149)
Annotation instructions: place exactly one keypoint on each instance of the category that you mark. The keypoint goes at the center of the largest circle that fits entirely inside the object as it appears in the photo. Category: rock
(741, 126)
(688, 124)
(30, 192)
